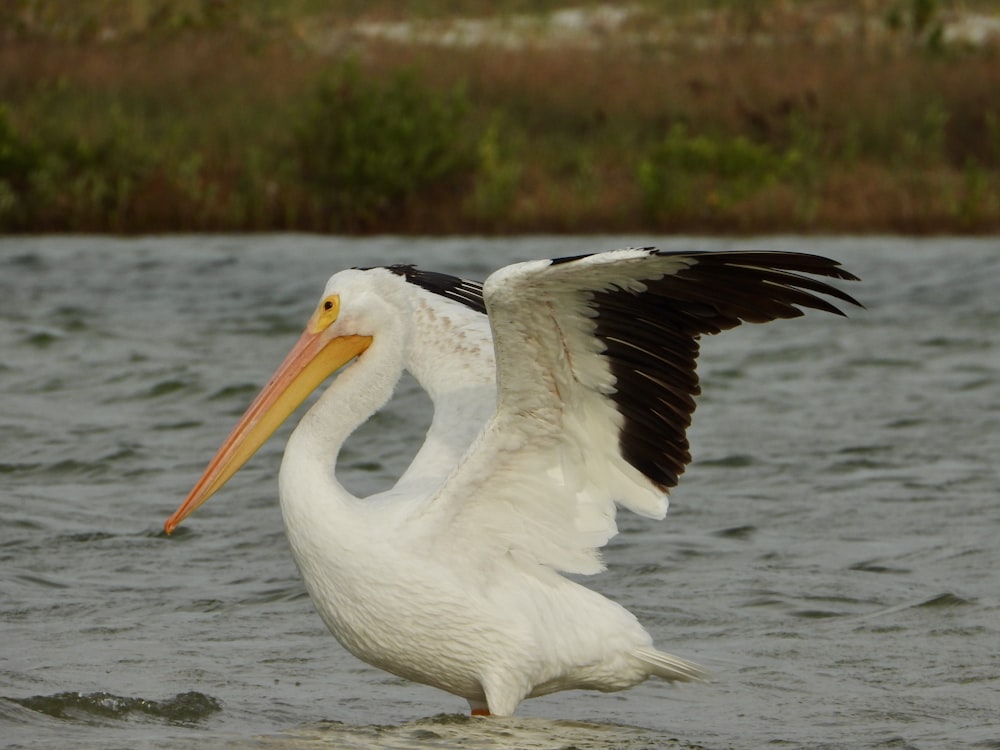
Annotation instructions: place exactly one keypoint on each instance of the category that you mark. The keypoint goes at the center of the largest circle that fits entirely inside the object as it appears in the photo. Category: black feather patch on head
(468, 293)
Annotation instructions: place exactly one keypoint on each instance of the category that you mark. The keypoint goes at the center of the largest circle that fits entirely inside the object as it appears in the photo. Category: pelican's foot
(479, 708)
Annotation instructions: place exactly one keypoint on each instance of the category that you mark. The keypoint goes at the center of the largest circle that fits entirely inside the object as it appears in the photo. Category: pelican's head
(331, 340)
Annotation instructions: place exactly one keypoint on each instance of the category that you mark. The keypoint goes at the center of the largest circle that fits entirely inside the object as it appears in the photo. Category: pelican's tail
(669, 667)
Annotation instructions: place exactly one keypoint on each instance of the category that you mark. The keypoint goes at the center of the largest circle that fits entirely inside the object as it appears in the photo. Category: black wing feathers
(469, 293)
(651, 339)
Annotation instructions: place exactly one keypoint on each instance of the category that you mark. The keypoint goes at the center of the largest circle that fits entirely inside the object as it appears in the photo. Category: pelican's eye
(327, 312)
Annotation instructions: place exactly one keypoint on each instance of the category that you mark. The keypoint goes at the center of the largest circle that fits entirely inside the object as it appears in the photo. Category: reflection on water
(830, 554)
(113, 712)
(453, 731)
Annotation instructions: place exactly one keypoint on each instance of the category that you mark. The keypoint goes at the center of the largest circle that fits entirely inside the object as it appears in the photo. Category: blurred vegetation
(218, 115)
(699, 174)
(369, 149)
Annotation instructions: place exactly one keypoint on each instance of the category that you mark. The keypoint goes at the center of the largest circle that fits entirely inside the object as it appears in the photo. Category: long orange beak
(307, 365)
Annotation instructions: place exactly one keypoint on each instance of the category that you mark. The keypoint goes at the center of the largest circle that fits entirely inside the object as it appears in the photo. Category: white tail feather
(670, 667)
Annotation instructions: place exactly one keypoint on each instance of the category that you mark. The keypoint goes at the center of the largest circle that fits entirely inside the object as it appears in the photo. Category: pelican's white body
(430, 601)
(491, 632)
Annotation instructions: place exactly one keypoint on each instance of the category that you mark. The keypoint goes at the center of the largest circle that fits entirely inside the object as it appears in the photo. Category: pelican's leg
(502, 696)
(479, 708)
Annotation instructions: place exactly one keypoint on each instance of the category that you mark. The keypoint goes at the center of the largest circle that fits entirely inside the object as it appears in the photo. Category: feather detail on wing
(596, 382)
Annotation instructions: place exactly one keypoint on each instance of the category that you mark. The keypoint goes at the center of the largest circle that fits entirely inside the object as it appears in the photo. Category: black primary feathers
(651, 339)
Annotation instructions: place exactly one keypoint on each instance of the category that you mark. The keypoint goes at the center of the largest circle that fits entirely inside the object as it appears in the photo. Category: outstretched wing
(596, 382)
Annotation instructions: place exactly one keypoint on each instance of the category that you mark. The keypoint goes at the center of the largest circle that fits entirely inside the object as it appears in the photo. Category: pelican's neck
(308, 488)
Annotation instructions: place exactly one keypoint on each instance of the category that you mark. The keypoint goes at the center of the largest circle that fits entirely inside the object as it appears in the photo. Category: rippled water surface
(832, 554)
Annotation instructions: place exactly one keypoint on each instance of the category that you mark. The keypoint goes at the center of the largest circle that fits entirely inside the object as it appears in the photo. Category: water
(831, 554)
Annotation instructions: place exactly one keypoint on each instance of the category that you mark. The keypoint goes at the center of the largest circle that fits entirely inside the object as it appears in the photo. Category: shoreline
(593, 122)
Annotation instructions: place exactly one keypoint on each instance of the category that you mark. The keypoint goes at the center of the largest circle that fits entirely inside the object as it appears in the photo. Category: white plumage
(571, 397)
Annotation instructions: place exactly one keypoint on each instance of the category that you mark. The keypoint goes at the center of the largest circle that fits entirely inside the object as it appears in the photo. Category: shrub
(686, 174)
(18, 161)
(367, 147)
(86, 180)
(498, 177)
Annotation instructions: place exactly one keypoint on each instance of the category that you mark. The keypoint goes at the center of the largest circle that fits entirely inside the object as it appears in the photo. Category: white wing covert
(596, 381)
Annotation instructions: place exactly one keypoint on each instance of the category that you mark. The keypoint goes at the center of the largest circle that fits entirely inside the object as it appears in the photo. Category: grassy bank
(751, 117)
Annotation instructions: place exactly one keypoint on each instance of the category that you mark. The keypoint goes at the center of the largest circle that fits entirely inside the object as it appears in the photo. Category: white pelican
(569, 396)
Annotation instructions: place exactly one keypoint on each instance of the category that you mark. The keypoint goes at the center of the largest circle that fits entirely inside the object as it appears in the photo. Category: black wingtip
(651, 338)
